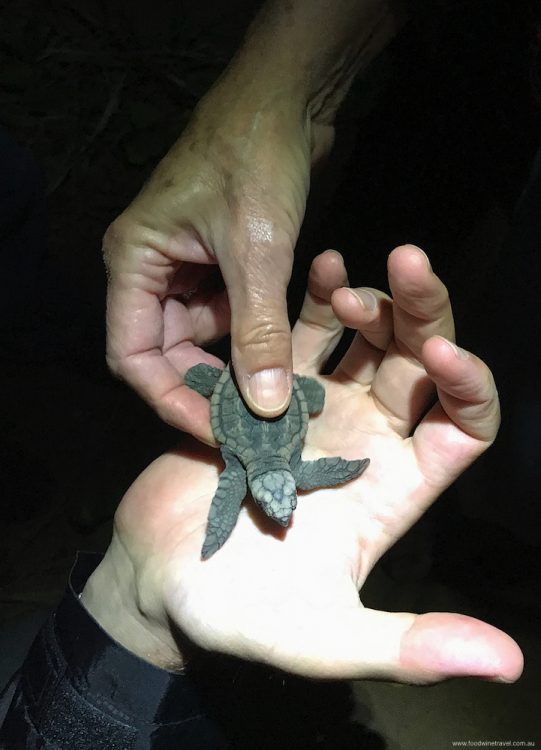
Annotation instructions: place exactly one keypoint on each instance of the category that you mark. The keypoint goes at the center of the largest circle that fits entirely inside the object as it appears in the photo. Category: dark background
(435, 146)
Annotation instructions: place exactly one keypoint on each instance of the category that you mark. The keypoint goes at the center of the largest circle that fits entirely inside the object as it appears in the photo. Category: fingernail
(459, 352)
(269, 389)
(426, 256)
(332, 250)
(366, 298)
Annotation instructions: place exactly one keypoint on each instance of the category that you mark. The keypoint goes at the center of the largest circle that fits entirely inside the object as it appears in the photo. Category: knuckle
(164, 413)
(113, 239)
(118, 238)
(116, 367)
(263, 336)
(428, 303)
(439, 301)
(484, 418)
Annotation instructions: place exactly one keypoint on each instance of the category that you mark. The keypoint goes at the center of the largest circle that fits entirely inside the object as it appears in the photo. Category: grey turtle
(263, 453)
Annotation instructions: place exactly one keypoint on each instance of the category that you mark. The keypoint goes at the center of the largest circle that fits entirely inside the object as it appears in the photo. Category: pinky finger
(466, 388)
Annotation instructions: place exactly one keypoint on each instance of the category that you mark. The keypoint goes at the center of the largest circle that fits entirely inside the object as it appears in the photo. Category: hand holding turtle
(230, 193)
(289, 597)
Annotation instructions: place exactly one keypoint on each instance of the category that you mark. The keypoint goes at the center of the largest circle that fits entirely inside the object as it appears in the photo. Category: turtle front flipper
(314, 393)
(325, 472)
(225, 506)
(202, 378)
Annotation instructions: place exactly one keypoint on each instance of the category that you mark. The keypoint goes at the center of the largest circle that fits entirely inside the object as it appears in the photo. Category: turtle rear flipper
(225, 506)
(326, 472)
(202, 378)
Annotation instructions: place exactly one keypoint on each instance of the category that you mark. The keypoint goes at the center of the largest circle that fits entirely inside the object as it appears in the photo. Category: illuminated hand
(290, 597)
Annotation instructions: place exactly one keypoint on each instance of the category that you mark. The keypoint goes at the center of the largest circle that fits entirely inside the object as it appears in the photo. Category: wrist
(260, 106)
(112, 597)
(296, 66)
(309, 51)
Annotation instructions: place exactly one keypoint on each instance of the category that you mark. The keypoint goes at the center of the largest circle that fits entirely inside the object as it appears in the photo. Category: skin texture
(231, 193)
(289, 597)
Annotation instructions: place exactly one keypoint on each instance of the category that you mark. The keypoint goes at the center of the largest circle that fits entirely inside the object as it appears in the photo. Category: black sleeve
(79, 689)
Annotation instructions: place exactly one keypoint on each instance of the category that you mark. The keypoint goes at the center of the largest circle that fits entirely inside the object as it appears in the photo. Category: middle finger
(421, 309)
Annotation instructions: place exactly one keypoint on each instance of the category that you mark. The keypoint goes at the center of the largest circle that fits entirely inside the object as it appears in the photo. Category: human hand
(289, 597)
(231, 192)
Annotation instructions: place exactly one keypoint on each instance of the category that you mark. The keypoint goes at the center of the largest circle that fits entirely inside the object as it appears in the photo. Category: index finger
(142, 264)
(135, 341)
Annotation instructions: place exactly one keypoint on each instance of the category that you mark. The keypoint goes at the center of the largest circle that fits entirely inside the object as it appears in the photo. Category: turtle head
(276, 493)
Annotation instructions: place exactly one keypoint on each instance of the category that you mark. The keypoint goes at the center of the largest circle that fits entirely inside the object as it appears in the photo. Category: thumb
(361, 643)
(428, 648)
(260, 331)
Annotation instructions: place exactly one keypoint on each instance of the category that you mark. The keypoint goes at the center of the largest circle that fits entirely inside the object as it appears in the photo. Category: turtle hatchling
(264, 454)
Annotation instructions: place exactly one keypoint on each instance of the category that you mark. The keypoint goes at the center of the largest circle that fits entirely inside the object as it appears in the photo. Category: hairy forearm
(312, 49)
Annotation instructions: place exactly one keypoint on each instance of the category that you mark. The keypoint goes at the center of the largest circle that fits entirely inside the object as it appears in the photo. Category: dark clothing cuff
(79, 689)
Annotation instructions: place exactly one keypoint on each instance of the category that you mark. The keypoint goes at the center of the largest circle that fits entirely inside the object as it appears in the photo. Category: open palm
(290, 597)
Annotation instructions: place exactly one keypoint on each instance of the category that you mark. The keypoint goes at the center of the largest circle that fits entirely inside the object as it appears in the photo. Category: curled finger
(370, 313)
(464, 422)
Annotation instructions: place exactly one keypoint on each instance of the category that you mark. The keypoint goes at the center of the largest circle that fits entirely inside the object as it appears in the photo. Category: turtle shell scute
(248, 436)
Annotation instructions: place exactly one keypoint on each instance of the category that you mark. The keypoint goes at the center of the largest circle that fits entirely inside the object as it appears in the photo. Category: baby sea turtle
(265, 453)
